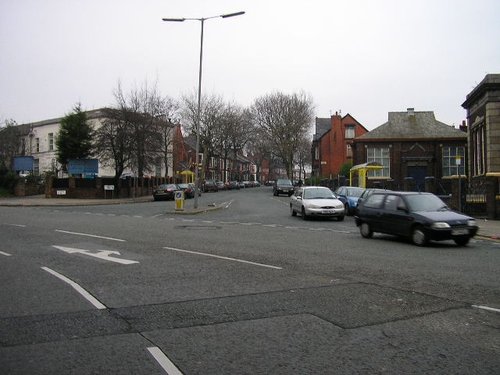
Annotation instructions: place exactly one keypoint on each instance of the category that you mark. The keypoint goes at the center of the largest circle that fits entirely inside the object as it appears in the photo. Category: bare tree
(211, 118)
(113, 141)
(284, 119)
(232, 135)
(149, 126)
(303, 156)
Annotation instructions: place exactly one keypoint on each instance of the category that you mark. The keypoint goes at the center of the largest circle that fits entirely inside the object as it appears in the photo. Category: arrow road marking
(101, 254)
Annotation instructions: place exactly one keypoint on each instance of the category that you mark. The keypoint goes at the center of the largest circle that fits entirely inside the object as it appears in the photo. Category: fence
(101, 187)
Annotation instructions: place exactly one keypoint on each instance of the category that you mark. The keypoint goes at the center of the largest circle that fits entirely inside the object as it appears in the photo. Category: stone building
(483, 123)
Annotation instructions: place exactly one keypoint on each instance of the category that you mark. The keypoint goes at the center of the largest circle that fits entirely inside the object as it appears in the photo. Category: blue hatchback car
(349, 196)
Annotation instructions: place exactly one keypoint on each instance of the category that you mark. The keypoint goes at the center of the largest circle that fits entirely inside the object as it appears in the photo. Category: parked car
(192, 185)
(316, 201)
(283, 186)
(422, 217)
(349, 196)
(365, 194)
(221, 185)
(187, 189)
(210, 185)
(233, 185)
(165, 192)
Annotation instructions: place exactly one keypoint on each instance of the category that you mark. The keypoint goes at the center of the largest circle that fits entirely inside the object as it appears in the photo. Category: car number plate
(457, 232)
(328, 211)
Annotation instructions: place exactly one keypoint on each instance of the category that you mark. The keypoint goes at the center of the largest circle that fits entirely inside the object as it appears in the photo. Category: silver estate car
(316, 201)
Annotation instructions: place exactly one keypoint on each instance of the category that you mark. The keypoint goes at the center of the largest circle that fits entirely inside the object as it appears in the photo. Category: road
(247, 289)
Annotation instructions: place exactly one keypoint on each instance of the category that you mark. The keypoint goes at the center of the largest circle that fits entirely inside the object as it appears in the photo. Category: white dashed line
(486, 308)
(163, 360)
(90, 235)
(224, 258)
(5, 254)
(17, 225)
(89, 297)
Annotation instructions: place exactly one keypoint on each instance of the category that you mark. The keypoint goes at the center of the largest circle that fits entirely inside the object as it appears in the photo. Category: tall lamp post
(198, 111)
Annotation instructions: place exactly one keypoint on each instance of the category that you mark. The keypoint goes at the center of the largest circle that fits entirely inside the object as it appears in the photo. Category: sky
(362, 57)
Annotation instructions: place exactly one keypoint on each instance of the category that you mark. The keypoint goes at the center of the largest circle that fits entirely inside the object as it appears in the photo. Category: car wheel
(303, 213)
(366, 230)
(419, 237)
(340, 218)
(461, 241)
(292, 211)
(346, 208)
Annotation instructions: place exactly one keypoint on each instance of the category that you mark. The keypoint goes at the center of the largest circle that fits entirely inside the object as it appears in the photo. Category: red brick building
(332, 144)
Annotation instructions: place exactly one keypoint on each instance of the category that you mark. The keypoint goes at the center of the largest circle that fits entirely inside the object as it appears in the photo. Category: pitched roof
(413, 125)
(322, 126)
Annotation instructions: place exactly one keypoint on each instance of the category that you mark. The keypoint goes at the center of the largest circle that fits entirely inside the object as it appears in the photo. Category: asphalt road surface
(246, 289)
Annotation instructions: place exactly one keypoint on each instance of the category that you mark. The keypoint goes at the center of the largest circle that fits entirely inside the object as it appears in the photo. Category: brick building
(412, 146)
(332, 144)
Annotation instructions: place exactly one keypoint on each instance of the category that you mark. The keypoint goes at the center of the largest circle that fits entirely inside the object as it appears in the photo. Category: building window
(349, 151)
(450, 164)
(478, 143)
(37, 144)
(316, 153)
(350, 131)
(36, 167)
(51, 141)
(382, 156)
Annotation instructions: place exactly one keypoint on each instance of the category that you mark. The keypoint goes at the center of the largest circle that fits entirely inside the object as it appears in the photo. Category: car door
(296, 200)
(371, 211)
(395, 218)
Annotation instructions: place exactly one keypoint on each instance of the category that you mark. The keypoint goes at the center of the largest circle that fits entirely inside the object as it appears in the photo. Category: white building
(38, 140)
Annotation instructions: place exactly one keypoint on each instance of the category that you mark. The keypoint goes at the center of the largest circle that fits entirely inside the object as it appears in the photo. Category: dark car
(193, 187)
(165, 192)
(422, 217)
(349, 195)
(283, 186)
(187, 189)
(365, 194)
(233, 185)
(210, 185)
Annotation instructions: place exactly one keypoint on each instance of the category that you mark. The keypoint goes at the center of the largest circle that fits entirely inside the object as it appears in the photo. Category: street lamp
(198, 114)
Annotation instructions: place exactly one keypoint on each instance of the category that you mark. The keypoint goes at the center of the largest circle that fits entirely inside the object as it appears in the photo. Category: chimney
(411, 112)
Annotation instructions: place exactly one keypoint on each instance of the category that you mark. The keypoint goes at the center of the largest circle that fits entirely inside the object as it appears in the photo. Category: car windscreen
(424, 202)
(318, 194)
(284, 182)
(354, 192)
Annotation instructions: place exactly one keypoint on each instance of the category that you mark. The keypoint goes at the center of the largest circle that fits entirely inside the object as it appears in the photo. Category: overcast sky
(363, 57)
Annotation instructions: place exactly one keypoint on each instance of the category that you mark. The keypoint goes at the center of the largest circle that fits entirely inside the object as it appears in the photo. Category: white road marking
(89, 297)
(225, 258)
(227, 204)
(6, 254)
(101, 254)
(17, 225)
(90, 235)
(164, 362)
(486, 308)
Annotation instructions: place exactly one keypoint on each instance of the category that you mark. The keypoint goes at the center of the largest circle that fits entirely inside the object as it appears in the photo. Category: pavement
(489, 229)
